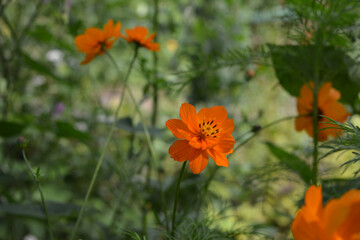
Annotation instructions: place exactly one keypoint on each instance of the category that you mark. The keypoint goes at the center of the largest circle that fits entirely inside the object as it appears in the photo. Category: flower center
(208, 129)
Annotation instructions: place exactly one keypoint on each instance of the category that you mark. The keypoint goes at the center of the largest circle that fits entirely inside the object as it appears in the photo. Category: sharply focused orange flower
(94, 40)
(327, 106)
(138, 36)
(338, 220)
(203, 134)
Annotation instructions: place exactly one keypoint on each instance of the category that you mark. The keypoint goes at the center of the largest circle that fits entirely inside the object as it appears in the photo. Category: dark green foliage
(296, 65)
(34, 210)
(10, 129)
(292, 162)
(66, 130)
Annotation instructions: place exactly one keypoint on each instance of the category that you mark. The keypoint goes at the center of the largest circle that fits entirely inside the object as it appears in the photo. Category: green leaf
(291, 162)
(295, 65)
(40, 67)
(66, 130)
(35, 210)
(10, 129)
(44, 35)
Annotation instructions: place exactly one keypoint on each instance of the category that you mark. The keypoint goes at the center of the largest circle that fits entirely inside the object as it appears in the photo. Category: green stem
(212, 175)
(315, 121)
(99, 163)
(315, 113)
(155, 64)
(147, 135)
(36, 180)
(142, 119)
(262, 128)
(173, 225)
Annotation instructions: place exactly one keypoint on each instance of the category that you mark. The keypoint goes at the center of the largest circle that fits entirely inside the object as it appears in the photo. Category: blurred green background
(212, 53)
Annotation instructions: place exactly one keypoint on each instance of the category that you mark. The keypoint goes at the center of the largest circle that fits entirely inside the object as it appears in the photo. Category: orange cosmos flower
(138, 36)
(94, 40)
(338, 220)
(203, 134)
(327, 106)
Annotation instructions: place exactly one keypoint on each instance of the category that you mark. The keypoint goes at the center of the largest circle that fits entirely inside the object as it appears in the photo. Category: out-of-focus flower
(138, 35)
(338, 220)
(95, 41)
(327, 106)
(203, 134)
(59, 109)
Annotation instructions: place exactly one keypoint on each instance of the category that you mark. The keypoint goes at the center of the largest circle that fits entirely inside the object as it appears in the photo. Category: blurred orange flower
(94, 40)
(338, 220)
(138, 36)
(327, 106)
(208, 132)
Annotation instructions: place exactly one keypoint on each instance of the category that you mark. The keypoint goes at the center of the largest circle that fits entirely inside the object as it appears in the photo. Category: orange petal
(150, 38)
(179, 150)
(313, 203)
(95, 34)
(350, 227)
(327, 94)
(116, 30)
(189, 116)
(304, 230)
(216, 113)
(227, 126)
(219, 158)
(225, 143)
(108, 29)
(84, 43)
(140, 33)
(153, 46)
(306, 92)
(198, 160)
(302, 123)
(335, 111)
(88, 58)
(179, 129)
(307, 224)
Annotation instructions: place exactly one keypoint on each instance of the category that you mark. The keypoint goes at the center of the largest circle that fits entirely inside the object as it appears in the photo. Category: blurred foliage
(231, 53)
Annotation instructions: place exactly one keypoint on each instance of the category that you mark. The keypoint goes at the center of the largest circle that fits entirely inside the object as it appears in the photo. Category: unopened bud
(22, 142)
(256, 128)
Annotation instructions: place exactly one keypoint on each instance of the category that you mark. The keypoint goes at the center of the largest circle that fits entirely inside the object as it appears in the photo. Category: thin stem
(99, 163)
(142, 119)
(315, 113)
(147, 135)
(315, 134)
(173, 225)
(155, 65)
(212, 175)
(36, 180)
(262, 128)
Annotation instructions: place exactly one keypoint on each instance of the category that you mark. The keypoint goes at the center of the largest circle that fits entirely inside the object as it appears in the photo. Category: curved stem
(142, 119)
(173, 225)
(262, 128)
(101, 159)
(212, 175)
(35, 178)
